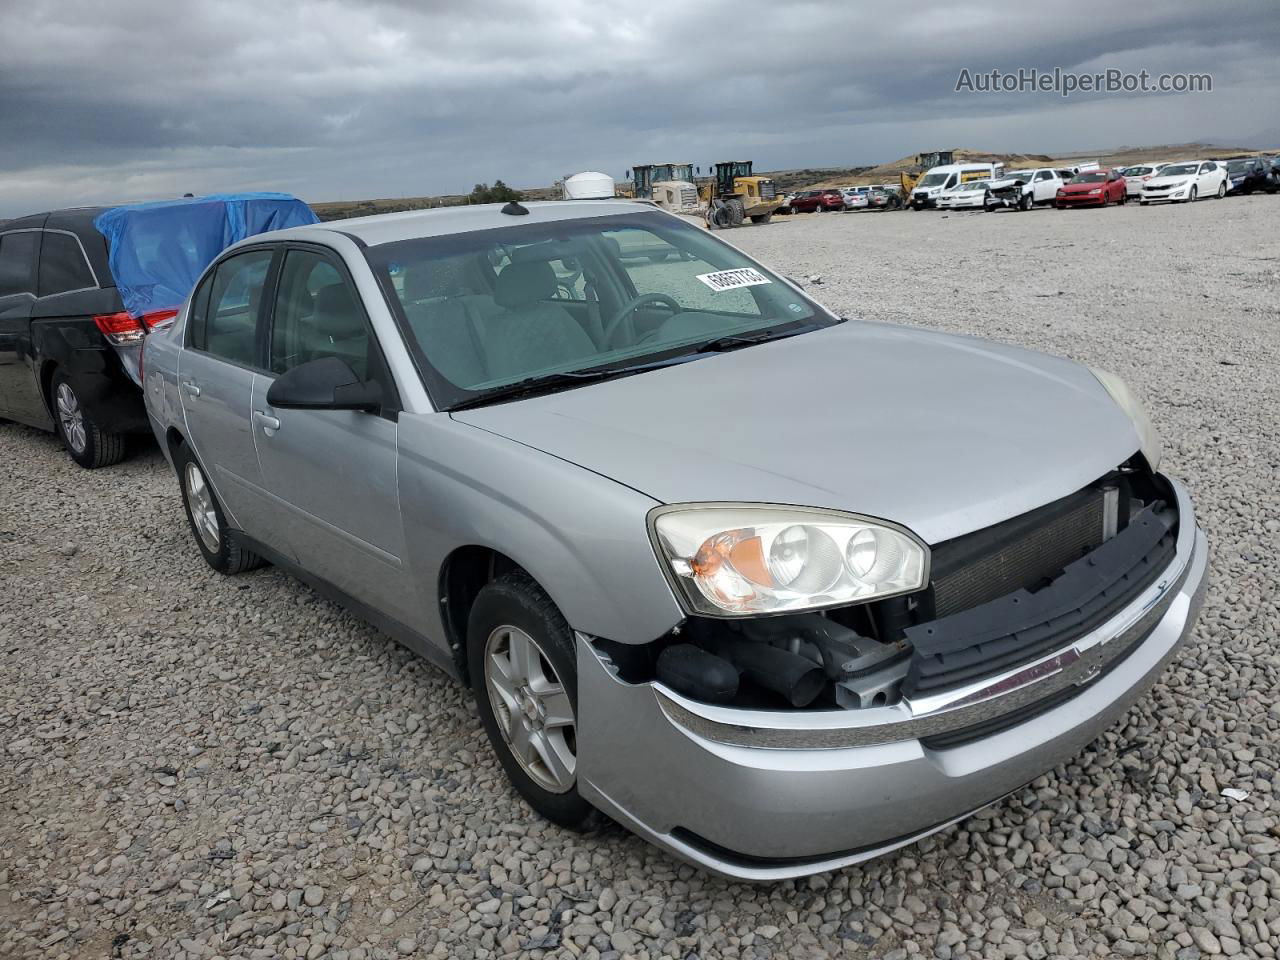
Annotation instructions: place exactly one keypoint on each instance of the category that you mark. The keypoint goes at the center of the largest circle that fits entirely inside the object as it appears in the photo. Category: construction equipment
(735, 194)
(669, 185)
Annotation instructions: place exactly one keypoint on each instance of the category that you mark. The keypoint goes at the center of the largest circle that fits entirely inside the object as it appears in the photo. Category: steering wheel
(612, 328)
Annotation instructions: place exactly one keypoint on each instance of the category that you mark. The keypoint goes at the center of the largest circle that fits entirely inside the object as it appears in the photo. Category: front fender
(582, 536)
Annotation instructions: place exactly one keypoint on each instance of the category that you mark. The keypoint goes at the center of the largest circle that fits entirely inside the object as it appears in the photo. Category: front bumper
(1081, 200)
(763, 795)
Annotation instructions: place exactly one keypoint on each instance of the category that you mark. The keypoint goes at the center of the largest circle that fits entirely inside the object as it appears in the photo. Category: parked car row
(988, 186)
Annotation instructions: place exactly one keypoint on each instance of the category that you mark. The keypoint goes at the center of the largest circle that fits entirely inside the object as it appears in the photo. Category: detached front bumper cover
(773, 794)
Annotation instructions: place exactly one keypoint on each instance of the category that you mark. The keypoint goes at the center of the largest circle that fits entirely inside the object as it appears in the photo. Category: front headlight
(1099, 190)
(747, 559)
(1148, 439)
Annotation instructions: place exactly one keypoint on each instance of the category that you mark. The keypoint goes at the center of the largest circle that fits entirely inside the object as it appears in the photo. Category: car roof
(443, 221)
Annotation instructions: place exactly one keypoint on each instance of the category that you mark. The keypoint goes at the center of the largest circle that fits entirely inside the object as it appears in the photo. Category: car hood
(1082, 187)
(942, 434)
(1166, 181)
(1007, 182)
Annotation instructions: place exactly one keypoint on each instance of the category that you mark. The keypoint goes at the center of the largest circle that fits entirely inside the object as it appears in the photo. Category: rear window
(63, 267)
(18, 262)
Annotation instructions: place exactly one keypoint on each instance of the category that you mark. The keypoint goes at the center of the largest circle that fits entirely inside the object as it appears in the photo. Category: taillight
(123, 328)
(159, 319)
(120, 328)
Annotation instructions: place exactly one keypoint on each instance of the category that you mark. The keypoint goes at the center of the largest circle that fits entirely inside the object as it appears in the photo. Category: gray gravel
(207, 767)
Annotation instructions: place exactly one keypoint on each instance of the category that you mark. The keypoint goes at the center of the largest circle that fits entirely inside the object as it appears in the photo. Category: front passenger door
(334, 471)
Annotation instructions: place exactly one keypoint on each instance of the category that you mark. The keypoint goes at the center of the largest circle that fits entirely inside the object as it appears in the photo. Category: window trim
(379, 368)
(268, 284)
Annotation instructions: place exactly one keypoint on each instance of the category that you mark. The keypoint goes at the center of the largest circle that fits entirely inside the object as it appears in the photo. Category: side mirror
(324, 384)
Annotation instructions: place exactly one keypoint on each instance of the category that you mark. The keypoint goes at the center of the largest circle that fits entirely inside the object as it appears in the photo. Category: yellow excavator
(735, 194)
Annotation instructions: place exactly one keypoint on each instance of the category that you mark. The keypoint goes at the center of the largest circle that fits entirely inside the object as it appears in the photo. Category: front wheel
(1193, 196)
(1027, 202)
(87, 443)
(521, 658)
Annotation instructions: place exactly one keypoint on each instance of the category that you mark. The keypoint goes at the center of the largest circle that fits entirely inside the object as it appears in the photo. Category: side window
(230, 318)
(1208, 168)
(62, 265)
(1044, 175)
(318, 314)
(18, 262)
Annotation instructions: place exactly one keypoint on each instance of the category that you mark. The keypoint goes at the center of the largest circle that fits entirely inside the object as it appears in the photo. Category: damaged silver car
(777, 591)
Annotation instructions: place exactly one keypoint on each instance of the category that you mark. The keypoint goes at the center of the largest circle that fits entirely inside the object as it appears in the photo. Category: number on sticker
(733, 279)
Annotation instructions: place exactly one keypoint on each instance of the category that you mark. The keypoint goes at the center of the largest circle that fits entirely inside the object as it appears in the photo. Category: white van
(925, 192)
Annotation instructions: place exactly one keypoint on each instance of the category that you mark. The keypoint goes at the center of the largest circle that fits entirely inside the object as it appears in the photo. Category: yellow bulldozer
(734, 194)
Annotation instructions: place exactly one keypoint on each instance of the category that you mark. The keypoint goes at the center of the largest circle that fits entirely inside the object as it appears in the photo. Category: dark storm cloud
(358, 99)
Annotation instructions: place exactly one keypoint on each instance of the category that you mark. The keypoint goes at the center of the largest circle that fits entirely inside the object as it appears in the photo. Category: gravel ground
(198, 766)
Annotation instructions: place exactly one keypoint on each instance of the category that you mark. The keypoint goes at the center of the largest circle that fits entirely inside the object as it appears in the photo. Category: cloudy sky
(110, 100)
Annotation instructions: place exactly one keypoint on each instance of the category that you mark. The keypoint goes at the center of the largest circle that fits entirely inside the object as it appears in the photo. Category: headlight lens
(731, 560)
(1148, 439)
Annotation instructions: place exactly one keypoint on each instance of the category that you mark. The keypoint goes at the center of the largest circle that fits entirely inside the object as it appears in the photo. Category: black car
(1245, 175)
(75, 306)
(58, 307)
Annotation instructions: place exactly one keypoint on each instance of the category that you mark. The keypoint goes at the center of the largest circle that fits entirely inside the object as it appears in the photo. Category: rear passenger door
(19, 251)
(224, 352)
(333, 472)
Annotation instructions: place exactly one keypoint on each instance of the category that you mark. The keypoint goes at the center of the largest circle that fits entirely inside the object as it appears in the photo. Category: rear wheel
(87, 443)
(521, 657)
(218, 543)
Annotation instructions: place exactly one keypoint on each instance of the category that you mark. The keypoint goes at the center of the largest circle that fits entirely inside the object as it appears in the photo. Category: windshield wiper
(735, 341)
(551, 382)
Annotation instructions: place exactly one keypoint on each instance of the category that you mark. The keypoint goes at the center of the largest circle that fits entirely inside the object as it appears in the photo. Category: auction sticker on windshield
(733, 279)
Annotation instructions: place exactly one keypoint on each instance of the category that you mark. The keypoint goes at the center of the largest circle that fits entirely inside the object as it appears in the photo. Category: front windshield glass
(1179, 170)
(491, 308)
(1091, 178)
(933, 180)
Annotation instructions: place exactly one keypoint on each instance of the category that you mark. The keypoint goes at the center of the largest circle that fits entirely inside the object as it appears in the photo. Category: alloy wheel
(71, 417)
(204, 516)
(532, 708)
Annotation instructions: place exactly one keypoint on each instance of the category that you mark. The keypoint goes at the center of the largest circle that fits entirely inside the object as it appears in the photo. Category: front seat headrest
(335, 312)
(523, 283)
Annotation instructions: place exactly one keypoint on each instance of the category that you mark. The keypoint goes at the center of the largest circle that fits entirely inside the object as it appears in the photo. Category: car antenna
(513, 209)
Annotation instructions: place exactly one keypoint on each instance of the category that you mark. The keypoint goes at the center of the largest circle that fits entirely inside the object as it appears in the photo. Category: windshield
(1179, 170)
(933, 180)
(491, 308)
(1091, 178)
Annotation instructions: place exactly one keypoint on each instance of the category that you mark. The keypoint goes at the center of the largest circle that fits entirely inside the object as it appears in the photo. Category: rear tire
(523, 666)
(218, 543)
(86, 442)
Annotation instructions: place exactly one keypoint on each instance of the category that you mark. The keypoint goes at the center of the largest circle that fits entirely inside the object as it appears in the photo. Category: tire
(1026, 202)
(218, 543)
(737, 212)
(1222, 190)
(517, 694)
(762, 217)
(1194, 195)
(86, 442)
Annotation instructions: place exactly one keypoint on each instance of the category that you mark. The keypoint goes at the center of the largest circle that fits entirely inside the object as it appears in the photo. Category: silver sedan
(776, 590)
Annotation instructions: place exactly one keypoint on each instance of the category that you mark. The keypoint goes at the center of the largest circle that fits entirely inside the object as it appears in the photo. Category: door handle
(268, 423)
(191, 388)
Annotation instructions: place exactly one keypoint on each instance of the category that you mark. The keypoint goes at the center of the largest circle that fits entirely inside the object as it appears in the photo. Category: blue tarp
(157, 251)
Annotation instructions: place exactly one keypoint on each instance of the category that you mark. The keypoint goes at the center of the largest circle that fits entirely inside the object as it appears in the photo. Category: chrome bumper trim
(986, 699)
